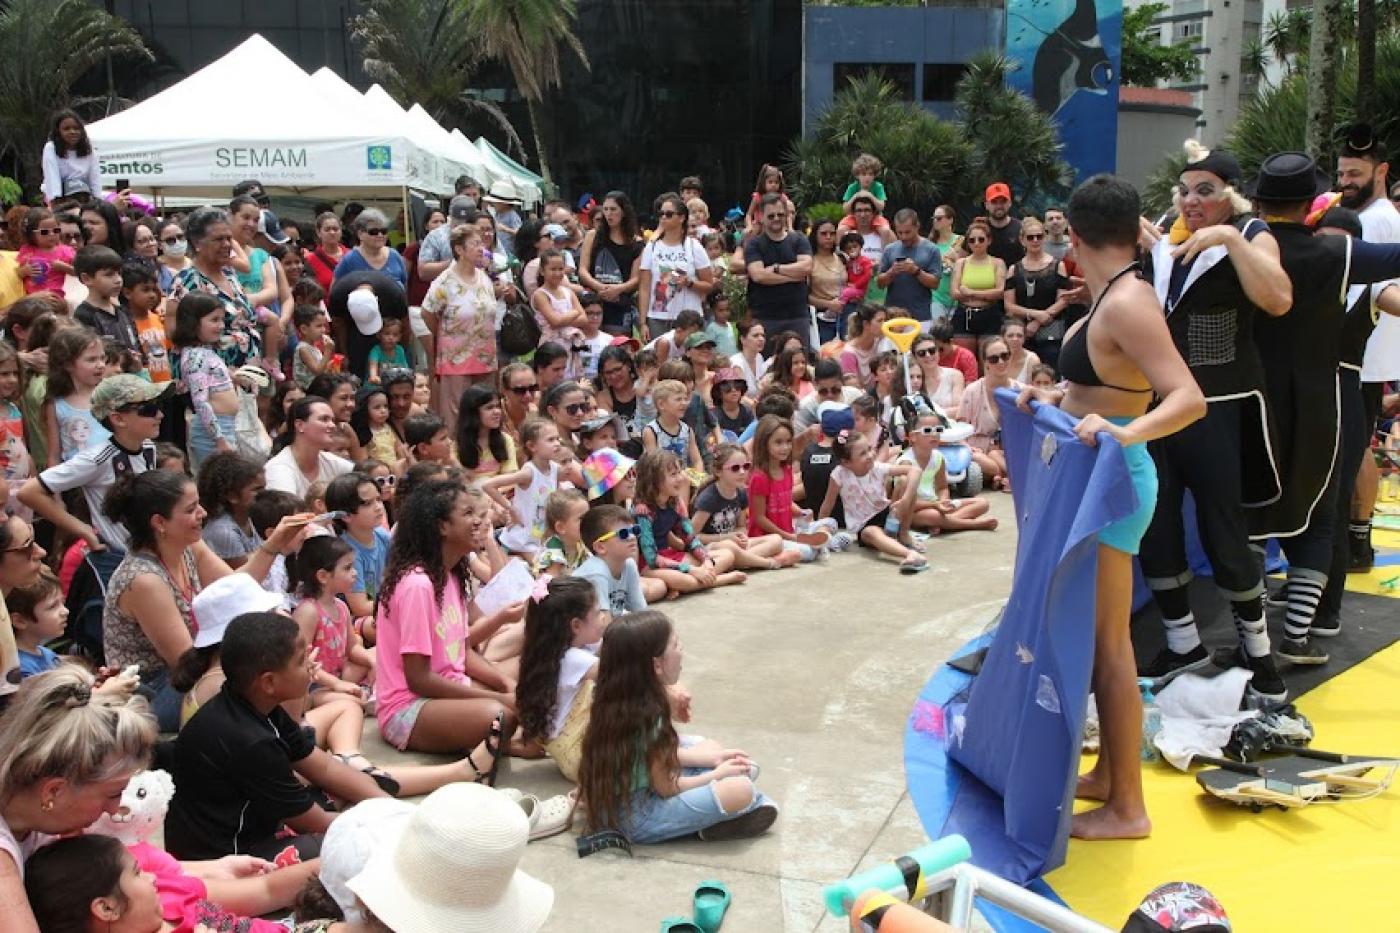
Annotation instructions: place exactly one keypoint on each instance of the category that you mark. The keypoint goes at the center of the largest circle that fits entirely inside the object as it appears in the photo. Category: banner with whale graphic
(1065, 56)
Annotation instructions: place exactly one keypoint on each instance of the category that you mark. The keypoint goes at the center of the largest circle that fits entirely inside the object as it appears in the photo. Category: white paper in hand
(512, 585)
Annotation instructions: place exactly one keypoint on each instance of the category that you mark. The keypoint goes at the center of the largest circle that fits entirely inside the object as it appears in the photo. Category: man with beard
(1301, 351)
(1212, 276)
(1362, 174)
(1006, 230)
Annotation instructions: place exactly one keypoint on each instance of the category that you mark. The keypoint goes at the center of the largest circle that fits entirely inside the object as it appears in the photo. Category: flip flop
(711, 901)
(909, 568)
(679, 925)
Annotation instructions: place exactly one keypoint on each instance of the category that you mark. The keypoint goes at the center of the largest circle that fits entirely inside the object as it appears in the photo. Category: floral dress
(466, 339)
(242, 341)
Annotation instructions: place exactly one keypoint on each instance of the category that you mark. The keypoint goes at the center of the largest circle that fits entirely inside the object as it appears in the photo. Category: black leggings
(1205, 458)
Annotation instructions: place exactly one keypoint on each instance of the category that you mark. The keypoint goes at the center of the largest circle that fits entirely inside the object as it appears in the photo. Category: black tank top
(1075, 363)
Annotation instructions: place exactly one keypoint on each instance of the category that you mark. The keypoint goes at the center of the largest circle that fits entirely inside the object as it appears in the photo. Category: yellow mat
(1325, 867)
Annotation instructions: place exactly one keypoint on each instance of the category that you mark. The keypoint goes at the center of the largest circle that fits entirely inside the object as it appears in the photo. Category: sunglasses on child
(927, 430)
(739, 467)
(621, 534)
(386, 482)
(143, 409)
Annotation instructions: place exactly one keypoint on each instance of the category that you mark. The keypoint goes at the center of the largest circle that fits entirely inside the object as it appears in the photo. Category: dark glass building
(677, 87)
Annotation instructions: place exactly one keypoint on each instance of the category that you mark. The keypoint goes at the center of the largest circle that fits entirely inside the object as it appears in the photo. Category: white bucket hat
(224, 600)
(456, 868)
(355, 835)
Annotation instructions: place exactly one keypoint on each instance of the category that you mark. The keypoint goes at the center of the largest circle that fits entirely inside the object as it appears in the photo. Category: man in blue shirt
(910, 269)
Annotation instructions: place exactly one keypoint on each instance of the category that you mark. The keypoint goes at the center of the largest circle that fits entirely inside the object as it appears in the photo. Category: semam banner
(1065, 56)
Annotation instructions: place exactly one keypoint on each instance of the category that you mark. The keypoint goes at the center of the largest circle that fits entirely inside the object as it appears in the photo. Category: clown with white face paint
(1213, 273)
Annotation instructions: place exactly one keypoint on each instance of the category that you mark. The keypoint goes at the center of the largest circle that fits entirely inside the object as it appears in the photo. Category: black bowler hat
(1289, 176)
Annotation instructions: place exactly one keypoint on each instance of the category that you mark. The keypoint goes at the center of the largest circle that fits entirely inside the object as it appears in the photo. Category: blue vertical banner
(1066, 56)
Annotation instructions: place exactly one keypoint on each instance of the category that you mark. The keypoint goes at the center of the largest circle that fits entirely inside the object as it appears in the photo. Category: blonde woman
(979, 281)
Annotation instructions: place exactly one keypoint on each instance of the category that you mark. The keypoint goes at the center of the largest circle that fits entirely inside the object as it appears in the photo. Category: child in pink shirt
(47, 260)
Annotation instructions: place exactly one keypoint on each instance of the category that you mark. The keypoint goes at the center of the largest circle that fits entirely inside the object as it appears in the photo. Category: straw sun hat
(455, 868)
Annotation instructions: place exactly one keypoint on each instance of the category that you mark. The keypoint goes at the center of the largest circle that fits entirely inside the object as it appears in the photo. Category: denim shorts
(653, 818)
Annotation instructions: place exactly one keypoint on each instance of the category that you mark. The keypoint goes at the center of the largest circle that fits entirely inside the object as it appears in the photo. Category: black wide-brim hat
(1289, 176)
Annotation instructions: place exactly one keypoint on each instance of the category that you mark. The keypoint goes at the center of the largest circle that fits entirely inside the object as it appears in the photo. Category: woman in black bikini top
(1075, 363)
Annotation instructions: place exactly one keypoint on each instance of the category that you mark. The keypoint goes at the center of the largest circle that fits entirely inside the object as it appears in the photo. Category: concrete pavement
(813, 671)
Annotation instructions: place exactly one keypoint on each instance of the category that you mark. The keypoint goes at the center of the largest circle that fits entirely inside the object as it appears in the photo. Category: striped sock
(1360, 529)
(1304, 593)
(1182, 635)
(1249, 623)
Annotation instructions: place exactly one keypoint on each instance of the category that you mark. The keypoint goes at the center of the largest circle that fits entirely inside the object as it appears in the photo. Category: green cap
(698, 339)
(124, 389)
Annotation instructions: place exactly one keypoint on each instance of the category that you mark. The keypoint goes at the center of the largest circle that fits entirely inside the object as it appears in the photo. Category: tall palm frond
(528, 35)
(423, 51)
(45, 47)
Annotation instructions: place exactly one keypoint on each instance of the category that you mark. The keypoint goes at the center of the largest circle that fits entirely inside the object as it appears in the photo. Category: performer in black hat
(1212, 277)
(1300, 352)
(1362, 175)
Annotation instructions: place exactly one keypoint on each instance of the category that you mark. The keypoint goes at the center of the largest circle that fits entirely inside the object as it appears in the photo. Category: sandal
(913, 564)
(493, 748)
(381, 777)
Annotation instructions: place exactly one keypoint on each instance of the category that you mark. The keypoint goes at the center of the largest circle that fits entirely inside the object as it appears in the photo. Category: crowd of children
(476, 573)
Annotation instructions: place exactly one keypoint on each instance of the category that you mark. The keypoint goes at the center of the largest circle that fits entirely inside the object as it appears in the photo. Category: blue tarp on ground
(1020, 733)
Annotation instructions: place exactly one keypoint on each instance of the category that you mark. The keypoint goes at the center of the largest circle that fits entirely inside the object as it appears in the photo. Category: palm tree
(45, 47)
(422, 52)
(1013, 140)
(1254, 60)
(527, 35)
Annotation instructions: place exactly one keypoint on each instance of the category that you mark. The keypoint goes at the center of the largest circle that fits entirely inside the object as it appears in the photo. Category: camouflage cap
(124, 389)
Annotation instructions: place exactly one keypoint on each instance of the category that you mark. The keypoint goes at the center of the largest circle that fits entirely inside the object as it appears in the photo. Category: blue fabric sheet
(1020, 733)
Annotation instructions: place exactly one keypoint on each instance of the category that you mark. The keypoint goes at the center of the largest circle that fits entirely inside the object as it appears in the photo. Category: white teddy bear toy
(142, 812)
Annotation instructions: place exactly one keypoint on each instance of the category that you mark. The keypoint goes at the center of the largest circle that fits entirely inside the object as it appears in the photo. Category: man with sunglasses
(1212, 287)
(779, 261)
(828, 386)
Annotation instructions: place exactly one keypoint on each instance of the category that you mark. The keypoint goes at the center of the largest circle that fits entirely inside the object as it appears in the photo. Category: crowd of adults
(216, 416)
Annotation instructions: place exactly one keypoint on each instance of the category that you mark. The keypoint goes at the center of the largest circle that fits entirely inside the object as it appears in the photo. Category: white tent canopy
(527, 184)
(456, 147)
(200, 138)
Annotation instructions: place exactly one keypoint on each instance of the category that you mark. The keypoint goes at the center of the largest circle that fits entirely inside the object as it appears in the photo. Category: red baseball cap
(996, 190)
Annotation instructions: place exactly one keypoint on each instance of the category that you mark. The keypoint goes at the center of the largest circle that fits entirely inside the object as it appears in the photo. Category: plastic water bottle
(1151, 722)
(1390, 486)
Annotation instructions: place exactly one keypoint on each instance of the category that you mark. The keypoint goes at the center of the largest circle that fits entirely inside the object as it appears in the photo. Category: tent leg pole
(410, 235)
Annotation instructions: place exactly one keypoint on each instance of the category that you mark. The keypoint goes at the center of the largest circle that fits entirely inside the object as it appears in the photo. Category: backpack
(520, 332)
